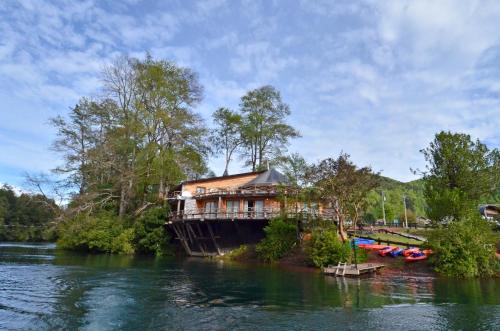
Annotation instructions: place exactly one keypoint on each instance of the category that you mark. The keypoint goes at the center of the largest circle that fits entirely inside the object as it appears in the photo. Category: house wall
(219, 183)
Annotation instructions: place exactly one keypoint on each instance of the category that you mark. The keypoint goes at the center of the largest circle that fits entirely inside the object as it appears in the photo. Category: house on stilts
(213, 215)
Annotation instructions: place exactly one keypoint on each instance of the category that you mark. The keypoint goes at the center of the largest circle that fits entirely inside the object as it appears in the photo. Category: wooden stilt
(182, 239)
(195, 238)
(213, 238)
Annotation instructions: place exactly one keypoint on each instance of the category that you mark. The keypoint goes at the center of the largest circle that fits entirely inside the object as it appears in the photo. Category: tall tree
(459, 173)
(264, 131)
(226, 137)
(344, 187)
(124, 151)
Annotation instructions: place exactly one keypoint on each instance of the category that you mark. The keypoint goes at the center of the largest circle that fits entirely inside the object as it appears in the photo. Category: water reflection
(42, 288)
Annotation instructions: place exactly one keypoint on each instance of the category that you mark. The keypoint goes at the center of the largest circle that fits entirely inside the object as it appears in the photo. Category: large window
(210, 209)
(232, 208)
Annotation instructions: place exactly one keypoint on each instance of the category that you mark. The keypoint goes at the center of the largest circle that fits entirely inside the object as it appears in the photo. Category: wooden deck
(350, 270)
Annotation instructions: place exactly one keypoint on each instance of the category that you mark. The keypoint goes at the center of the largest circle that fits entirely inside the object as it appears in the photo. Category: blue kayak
(358, 241)
(396, 252)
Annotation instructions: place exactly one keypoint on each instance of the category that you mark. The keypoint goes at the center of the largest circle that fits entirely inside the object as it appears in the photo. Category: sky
(374, 79)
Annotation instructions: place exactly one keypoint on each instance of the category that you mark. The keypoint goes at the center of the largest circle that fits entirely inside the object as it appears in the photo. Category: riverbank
(298, 259)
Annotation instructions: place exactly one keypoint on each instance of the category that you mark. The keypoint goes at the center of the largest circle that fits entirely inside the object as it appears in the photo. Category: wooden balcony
(237, 193)
(249, 214)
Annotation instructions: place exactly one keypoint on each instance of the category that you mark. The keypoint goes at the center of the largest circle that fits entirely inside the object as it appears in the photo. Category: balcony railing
(271, 191)
(250, 213)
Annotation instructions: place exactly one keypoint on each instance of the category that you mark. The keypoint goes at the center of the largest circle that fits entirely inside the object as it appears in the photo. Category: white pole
(383, 208)
(404, 204)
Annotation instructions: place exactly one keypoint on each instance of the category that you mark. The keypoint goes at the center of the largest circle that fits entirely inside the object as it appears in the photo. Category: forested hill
(25, 217)
(394, 191)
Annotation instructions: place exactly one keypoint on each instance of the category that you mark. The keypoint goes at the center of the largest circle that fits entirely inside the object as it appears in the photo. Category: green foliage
(264, 131)
(280, 238)
(394, 192)
(327, 248)
(25, 217)
(226, 137)
(460, 172)
(149, 232)
(104, 233)
(465, 248)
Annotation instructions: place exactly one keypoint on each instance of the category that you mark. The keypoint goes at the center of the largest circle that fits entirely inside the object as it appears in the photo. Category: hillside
(394, 192)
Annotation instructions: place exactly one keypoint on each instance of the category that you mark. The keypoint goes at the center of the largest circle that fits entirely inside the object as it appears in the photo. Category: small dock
(351, 270)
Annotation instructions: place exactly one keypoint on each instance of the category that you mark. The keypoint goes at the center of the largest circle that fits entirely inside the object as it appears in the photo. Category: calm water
(41, 288)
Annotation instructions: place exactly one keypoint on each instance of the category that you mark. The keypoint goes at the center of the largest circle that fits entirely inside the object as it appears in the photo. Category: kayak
(373, 247)
(416, 257)
(427, 251)
(410, 251)
(386, 250)
(396, 252)
(363, 241)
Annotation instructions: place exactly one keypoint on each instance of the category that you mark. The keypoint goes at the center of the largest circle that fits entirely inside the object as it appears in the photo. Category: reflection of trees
(273, 286)
(475, 303)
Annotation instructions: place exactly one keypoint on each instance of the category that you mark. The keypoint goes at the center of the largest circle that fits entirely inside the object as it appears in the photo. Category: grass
(395, 238)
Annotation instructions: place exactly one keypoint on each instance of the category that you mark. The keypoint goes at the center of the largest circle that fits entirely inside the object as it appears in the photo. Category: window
(232, 207)
(200, 190)
(210, 209)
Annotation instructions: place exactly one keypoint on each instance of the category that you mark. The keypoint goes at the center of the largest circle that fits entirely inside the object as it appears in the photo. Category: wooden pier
(351, 270)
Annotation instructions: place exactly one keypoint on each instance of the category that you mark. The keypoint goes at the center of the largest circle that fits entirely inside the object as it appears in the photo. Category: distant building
(489, 212)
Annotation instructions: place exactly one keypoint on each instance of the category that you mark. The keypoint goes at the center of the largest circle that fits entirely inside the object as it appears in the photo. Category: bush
(280, 238)
(149, 232)
(327, 248)
(464, 248)
(98, 233)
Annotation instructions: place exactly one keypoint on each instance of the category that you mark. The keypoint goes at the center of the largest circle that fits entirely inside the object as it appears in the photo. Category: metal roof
(268, 177)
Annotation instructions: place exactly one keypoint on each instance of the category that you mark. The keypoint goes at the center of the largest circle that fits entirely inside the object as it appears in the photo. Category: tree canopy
(459, 174)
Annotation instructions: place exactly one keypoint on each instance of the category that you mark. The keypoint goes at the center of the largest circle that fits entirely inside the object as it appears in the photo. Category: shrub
(99, 233)
(464, 248)
(326, 248)
(149, 232)
(280, 238)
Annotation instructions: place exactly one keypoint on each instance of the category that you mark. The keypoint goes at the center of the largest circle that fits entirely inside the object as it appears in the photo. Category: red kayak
(410, 251)
(416, 257)
(386, 250)
(373, 247)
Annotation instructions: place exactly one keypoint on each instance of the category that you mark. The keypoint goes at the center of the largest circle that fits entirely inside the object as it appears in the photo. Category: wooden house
(212, 215)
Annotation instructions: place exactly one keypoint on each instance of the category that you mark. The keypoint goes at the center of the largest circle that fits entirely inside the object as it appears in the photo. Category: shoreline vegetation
(125, 152)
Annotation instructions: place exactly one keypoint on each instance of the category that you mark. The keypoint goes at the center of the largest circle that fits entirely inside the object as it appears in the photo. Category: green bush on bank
(465, 248)
(107, 233)
(150, 236)
(327, 248)
(281, 236)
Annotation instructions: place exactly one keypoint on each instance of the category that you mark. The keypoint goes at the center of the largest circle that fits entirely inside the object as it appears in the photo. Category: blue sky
(375, 79)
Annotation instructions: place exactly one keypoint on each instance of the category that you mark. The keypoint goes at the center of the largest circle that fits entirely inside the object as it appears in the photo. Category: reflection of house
(202, 208)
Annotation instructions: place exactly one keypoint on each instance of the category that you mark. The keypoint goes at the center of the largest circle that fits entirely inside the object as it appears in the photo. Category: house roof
(210, 179)
(268, 177)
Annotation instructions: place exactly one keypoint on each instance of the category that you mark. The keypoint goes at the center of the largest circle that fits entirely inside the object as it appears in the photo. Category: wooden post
(181, 239)
(190, 229)
(213, 238)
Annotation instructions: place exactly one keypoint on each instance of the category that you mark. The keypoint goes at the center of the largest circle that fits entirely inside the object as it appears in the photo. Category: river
(42, 288)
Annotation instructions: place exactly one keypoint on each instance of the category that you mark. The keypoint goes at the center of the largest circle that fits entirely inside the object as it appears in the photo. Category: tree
(264, 131)
(459, 173)
(126, 150)
(344, 187)
(226, 137)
